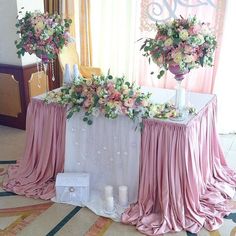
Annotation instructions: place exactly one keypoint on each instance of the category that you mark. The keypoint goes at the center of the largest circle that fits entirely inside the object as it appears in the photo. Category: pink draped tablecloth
(34, 175)
(184, 179)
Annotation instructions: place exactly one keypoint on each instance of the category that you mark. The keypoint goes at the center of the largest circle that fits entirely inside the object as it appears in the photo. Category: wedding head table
(175, 172)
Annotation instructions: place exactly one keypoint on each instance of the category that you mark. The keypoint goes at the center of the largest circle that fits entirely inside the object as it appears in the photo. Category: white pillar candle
(76, 73)
(67, 75)
(108, 191)
(123, 195)
(180, 98)
(109, 204)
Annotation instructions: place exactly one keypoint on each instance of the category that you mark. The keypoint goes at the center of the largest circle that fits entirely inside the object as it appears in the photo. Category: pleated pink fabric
(184, 179)
(34, 175)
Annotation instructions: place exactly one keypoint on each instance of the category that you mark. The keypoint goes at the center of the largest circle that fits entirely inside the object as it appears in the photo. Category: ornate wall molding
(10, 102)
(153, 11)
(21, 76)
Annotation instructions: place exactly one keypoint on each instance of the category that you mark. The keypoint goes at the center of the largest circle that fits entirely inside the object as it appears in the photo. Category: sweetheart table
(176, 173)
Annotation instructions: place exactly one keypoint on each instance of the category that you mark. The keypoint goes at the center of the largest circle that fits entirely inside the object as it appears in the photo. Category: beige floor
(85, 222)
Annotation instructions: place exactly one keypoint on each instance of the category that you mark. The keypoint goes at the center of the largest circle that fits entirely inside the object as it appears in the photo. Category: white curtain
(114, 27)
(225, 87)
(115, 31)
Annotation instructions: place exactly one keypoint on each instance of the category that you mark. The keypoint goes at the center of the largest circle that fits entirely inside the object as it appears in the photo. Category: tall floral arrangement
(187, 43)
(42, 34)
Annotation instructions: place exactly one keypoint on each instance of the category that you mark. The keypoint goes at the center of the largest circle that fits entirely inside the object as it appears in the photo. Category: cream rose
(39, 25)
(168, 42)
(153, 110)
(200, 39)
(89, 82)
(188, 58)
(50, 32)
(183, 34)
(125, 89)
(178, 57)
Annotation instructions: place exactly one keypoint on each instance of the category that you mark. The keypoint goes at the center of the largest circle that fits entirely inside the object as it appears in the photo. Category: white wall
(29, 5)
(8, 13)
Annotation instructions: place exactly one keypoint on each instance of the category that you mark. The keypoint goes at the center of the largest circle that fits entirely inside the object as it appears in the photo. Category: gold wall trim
(10, 103)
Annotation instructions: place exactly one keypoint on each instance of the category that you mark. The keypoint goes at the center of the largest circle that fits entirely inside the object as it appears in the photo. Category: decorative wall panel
(21, 76)
(10, 103)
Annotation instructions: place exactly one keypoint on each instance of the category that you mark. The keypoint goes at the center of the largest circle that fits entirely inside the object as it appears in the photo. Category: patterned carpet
(25, 216)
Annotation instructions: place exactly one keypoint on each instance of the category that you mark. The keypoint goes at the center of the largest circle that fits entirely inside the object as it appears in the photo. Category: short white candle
(108, 191)
(109, 204)
(123, 195)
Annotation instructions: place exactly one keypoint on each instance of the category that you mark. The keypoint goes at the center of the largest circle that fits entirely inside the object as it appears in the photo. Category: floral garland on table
(109, 96)
(187, 43)
(42, 34)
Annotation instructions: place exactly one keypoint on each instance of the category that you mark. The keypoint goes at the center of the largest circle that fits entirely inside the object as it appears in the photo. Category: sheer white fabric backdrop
(226, 78)
(114, 27)
(109, 151)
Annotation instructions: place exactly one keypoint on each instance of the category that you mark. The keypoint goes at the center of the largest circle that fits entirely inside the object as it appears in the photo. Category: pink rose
(188, 49)
(159, 60)
(129, 102)
(110, 86)
(195, 29)
(195, 56)
(87, 103)
(144, 103)
(161, 37)
(79, 89)
(124, 110)
(115, 96)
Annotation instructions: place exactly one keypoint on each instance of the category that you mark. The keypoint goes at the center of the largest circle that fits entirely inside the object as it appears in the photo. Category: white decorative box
(72, 188)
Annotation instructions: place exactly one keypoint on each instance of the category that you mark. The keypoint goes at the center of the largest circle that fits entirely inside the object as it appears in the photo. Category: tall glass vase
(47, 65)
(180, 93)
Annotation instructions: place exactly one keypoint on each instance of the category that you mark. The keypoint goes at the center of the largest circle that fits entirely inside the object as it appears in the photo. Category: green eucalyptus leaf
(127, 83)
(202, 61)
(90, 122)
(162, 72)
(70, 114)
